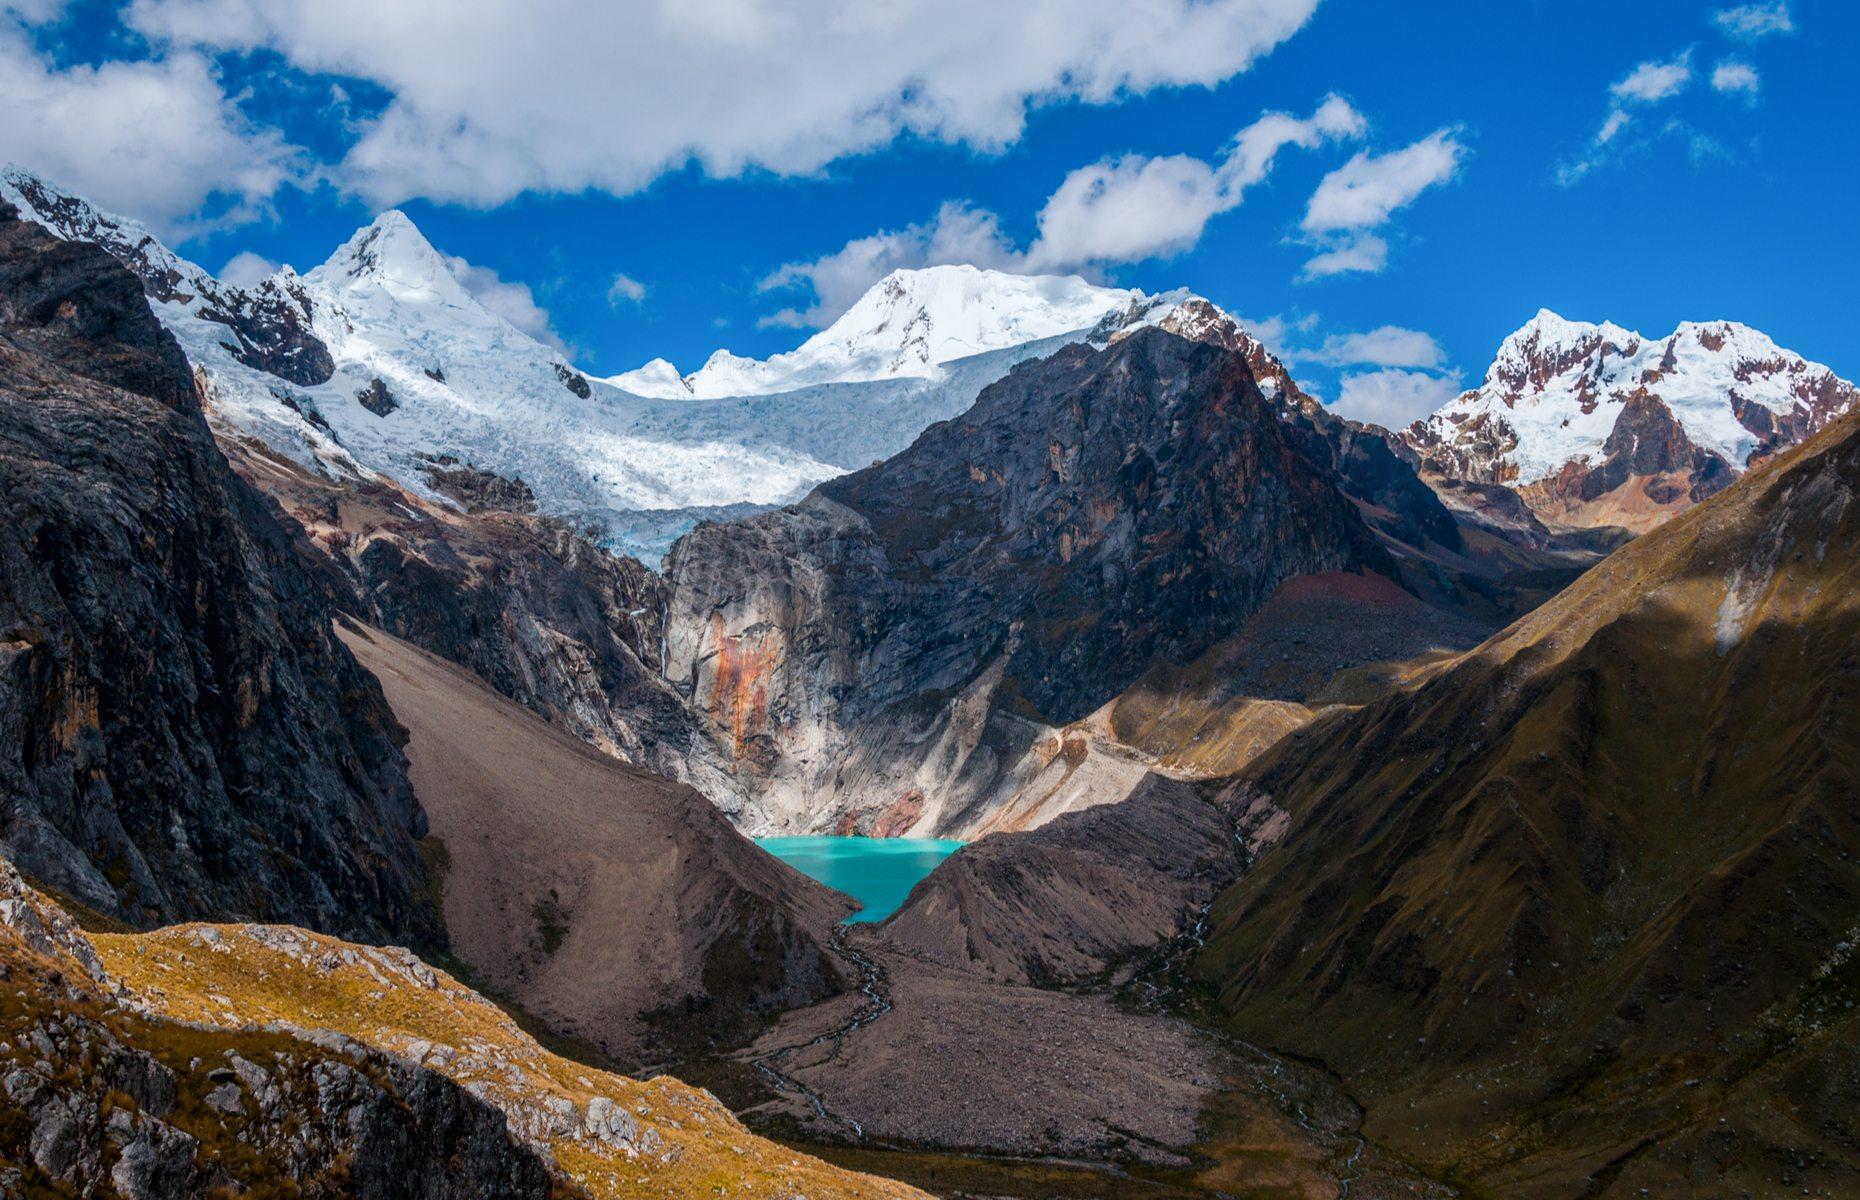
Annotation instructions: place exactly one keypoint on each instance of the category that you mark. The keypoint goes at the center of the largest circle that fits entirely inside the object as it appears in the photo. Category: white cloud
(1751, 22)
(1133, 208)
(509, 299)
(1368, 190)
(155, 138)
(33, 12)
(1649, 83)
(1652, 82)
(625, 290)
(1250, 158)
(1364, 193)
(1393, 398)
(1275, 332)
(246, 269)
(489, 100)
(1362, 252)
(1735, 78)
(1118, 210)
(1389, 346)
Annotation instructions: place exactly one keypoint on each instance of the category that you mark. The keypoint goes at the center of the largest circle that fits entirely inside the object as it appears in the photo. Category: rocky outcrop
(377, 398)
(478, 491)
(919, 625)
(573, 380)
(95, 1095)
(1647, 470)
(532, 606)
(183, 737)
(207, 1060)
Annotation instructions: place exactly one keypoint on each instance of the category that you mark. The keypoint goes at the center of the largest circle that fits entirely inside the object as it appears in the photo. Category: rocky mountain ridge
(184, 734)
(901, 640)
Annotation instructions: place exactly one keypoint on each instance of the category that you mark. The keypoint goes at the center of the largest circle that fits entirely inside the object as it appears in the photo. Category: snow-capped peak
(1553, 392)
(657, 380)
(914, 321)
(1548, 345)
(392, 254)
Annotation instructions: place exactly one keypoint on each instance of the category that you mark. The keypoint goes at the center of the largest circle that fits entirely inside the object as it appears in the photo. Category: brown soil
(616, 907)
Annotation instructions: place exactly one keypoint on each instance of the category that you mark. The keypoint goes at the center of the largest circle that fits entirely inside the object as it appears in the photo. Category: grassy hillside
(1576, 916)
(291, 1064)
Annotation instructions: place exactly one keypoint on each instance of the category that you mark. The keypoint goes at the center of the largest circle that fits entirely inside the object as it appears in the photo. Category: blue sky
(695, 154)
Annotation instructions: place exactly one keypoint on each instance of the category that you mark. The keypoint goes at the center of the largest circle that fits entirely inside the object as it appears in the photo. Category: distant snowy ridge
(906, 326)
(1556, 389)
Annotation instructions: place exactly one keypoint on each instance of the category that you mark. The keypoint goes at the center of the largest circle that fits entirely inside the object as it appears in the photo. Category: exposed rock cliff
(898, 641)
(182, 736)
(529, 604)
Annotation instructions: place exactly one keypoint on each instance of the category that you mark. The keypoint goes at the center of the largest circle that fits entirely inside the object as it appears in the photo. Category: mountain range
(1461, 810)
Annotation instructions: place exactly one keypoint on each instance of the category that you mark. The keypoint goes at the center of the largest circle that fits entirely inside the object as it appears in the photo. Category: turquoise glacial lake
(877, 872)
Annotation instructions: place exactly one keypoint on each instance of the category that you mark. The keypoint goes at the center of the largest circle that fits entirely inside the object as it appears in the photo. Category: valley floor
(966, 1087)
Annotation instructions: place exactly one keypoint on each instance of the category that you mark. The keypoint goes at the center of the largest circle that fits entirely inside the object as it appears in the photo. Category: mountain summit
(1596, 424)
(392, 254)
(907, 324)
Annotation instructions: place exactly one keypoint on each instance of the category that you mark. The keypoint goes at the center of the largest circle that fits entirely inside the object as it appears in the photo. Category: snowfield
(628, 453)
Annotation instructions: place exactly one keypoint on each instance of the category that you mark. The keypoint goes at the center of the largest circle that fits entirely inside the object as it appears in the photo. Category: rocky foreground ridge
(202, 1058)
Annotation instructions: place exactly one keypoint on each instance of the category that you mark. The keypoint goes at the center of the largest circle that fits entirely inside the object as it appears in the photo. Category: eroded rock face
(182, 736)
(908, 632)
(535, 608)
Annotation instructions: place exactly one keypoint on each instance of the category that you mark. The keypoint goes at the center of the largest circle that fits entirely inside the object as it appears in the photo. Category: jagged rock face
(1366, 462)
(573, 380)
(377, 398)
(1567, 409)
(909, 628)
(479, 491)
(182, 735)
(1647, 456)
(533, 607)
(269, 324)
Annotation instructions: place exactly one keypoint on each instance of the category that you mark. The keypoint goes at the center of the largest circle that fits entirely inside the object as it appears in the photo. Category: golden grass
(242, 977)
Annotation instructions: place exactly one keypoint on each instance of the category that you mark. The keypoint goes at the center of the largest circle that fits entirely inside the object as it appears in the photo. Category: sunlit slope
(1596, 885)
(253, 1057)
